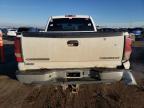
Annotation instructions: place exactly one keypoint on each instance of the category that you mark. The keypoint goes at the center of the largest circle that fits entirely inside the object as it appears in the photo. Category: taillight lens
(128, 48)
(18, 52)
(128, 45)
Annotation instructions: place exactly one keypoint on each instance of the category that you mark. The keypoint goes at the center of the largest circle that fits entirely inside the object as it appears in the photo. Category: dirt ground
(14, 94)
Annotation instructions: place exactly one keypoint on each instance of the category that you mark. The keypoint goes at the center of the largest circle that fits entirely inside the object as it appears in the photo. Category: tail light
(128, 45)
(18, 51)
(128, 48)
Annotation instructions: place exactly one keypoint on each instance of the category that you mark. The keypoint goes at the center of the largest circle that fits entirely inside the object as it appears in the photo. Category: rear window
(12, 30)
(27, 30)
(70, 24)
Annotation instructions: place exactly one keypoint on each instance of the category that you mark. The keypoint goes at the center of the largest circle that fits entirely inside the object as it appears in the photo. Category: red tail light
(128, 45)
(128, 48)
(18, 51)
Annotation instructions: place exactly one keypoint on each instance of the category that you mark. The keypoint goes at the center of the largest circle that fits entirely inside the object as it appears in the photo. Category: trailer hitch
(74, 88)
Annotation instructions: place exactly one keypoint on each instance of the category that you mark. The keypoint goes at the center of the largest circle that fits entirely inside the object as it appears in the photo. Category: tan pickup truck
(71, 51)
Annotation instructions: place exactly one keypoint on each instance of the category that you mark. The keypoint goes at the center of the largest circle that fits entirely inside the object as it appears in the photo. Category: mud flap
(128, 78)
(126, 64)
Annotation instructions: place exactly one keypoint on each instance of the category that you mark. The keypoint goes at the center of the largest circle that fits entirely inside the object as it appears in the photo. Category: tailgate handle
(72, 43)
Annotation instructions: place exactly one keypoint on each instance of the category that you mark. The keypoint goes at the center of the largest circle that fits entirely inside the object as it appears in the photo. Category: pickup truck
(71, 51)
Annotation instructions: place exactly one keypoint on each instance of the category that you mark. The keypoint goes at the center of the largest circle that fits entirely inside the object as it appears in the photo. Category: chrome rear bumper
(77, 76)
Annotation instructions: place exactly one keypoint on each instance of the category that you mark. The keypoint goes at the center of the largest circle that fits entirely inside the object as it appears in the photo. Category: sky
(104, 12)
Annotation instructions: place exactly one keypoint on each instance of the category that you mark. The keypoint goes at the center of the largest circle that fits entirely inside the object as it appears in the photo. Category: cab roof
(70, 16)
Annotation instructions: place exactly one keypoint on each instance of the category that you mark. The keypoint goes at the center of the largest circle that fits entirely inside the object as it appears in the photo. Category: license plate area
(73, 75)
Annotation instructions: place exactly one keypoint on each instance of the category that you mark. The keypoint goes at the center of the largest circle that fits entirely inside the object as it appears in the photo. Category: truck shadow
(9, 67)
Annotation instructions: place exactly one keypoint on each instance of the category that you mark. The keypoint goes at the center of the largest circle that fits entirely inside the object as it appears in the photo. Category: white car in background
(11, 32)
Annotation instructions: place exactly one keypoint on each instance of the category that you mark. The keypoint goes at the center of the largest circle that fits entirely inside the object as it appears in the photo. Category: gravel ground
(14, 94)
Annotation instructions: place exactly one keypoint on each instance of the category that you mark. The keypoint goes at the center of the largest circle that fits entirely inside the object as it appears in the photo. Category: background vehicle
(4, 31)
(26, 29)
(11, 32)
(71, 51)
(137, 32)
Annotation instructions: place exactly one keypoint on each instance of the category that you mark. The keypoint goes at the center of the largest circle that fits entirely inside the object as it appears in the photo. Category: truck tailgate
(72, 50)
